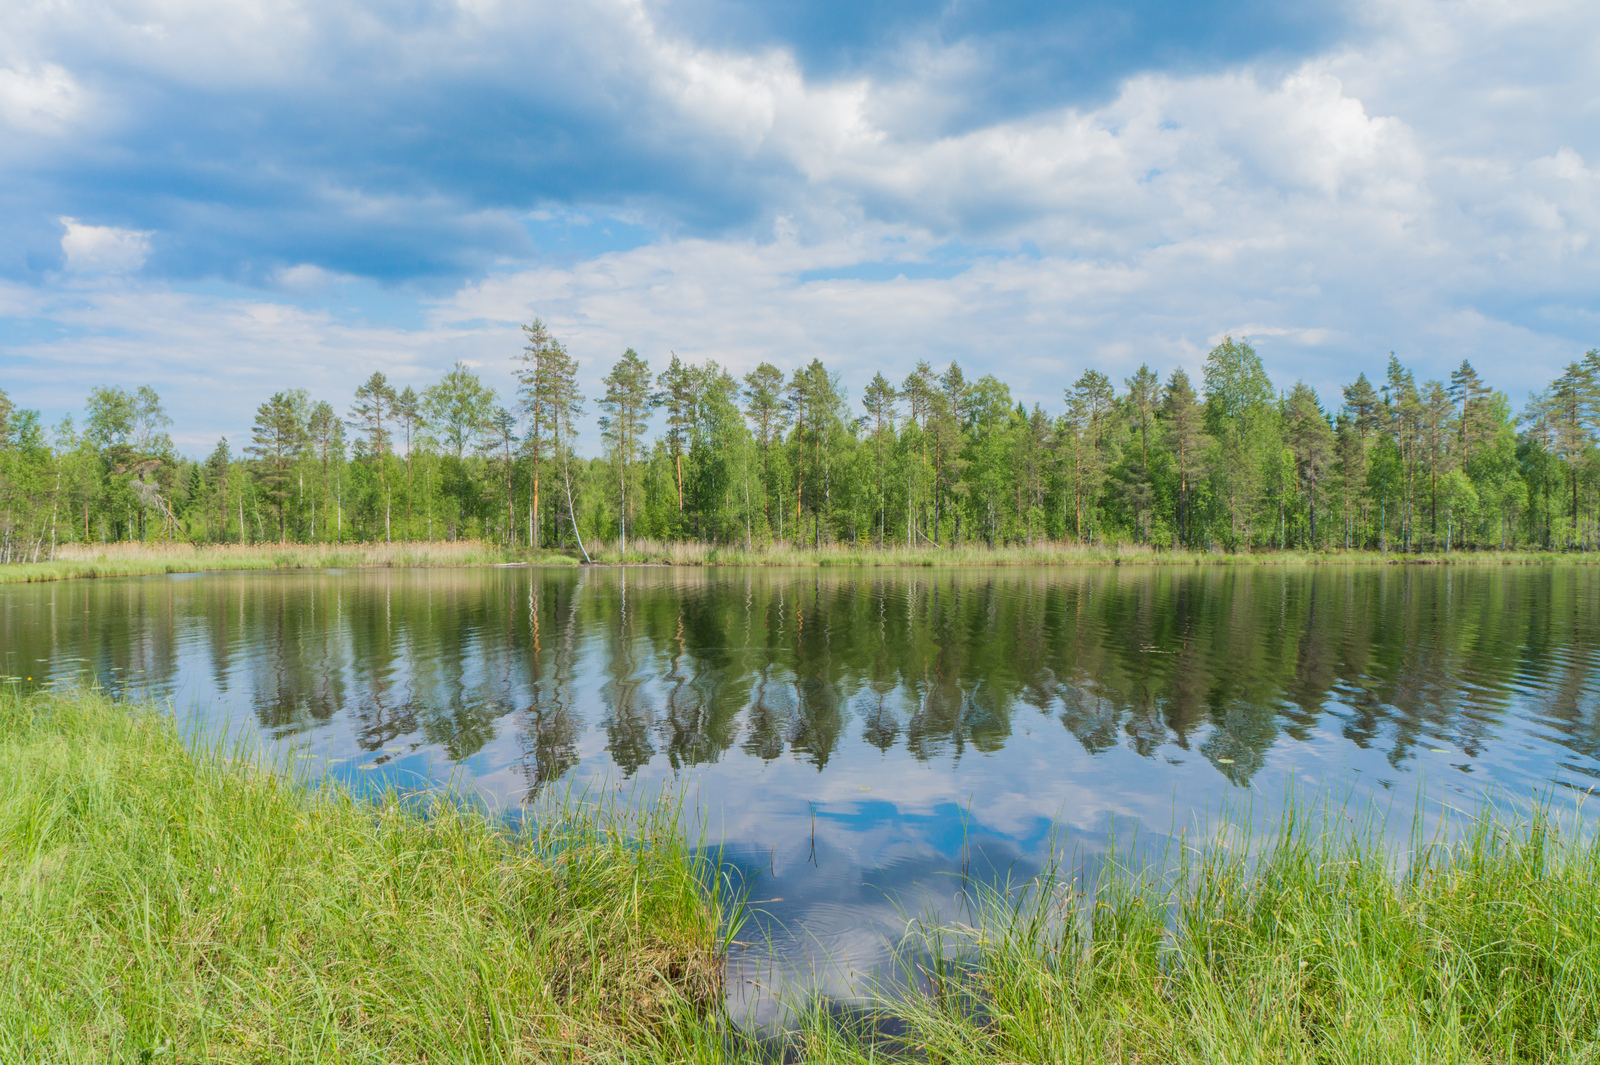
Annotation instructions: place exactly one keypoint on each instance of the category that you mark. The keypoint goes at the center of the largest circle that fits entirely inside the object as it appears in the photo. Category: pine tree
(326, 433)
(407, 409)
(797, 405)
(1437, 437)
(1089, 404)
(1403, 420)
(676, 397)
(947, 419)
(535, 384)
(1184, 424)
(1238, 412)
(1473, 418)
(276, 441)
(764, 407)
(1568, 410)
(1363, 409)
(919, 390)
(1144, 395)
(217, 475)
(626, 408)
(371, 414)
(879, 401)
(1311, 440)
(565, 404)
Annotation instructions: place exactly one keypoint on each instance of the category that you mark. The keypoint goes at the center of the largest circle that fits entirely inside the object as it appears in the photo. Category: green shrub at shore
(159, 903)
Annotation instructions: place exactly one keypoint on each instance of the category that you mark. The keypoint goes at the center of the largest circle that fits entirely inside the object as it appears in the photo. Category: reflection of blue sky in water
(857, 744)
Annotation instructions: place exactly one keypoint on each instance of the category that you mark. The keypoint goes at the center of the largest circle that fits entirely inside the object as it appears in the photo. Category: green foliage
(939, 461)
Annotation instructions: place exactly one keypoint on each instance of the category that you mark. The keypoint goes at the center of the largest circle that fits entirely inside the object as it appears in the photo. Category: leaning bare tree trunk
(572, 514)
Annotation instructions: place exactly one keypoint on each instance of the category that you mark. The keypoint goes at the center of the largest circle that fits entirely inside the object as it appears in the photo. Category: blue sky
(225, 200)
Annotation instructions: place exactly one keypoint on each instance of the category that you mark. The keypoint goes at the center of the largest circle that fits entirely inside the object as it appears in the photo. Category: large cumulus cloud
(322, 190)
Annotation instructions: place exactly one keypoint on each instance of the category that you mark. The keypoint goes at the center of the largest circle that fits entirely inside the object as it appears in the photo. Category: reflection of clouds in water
(847, 896)
(925, 715)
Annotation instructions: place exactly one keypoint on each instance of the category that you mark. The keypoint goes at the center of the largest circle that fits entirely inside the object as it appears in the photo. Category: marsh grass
(162, 902)
(136, 559)
(678, 553)
(1312, 947)
(1316, 946)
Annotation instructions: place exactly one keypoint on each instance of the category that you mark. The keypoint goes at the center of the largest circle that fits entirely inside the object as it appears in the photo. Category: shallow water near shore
(863, 743)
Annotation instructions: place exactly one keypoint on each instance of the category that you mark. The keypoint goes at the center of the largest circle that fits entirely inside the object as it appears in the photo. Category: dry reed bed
(134, 559)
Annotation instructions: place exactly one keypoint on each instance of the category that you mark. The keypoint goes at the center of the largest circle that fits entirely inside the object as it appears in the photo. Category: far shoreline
(81, 562)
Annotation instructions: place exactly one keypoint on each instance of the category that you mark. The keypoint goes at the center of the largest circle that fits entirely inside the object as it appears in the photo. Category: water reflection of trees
(689, 665)
(1223, 660)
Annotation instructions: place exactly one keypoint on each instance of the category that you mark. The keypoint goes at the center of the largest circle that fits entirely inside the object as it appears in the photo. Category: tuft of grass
(162, 902)
(1317, 949)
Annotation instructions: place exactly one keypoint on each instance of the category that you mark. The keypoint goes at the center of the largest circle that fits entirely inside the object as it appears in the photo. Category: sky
(225, 200)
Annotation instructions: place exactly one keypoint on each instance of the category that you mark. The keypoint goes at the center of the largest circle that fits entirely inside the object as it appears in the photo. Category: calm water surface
(861, 740)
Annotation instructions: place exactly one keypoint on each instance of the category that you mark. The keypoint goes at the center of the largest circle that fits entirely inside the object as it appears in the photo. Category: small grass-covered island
(162, 901)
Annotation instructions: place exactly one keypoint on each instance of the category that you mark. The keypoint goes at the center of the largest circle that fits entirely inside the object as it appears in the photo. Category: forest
(1230, 462)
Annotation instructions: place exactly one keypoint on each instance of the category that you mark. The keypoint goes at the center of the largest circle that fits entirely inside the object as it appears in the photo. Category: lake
(863, 742)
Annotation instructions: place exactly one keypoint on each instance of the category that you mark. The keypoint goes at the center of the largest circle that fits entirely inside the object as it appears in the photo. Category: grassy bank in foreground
(158, 904)
(1311, 951)
(134, 559)
(164, 904)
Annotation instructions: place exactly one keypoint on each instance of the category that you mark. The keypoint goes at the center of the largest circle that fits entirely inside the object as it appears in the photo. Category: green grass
(165, 903)
(1315, 950)
(160, 902)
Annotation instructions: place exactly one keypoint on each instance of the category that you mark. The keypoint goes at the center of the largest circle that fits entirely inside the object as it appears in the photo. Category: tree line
(1229, 462)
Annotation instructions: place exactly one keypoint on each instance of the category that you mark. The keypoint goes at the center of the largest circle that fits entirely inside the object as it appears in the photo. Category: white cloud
(309, 278)
(107, 249)
(44, 99)
(1430, 189)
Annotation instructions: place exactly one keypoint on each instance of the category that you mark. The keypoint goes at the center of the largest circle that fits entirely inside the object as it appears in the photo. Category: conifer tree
(625, 409)
(764, 408)
(1184, 426)
(879, 401)
(1143, 397)
(676, 397)
(536, 396)
(278, 436)
(1311, 440)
